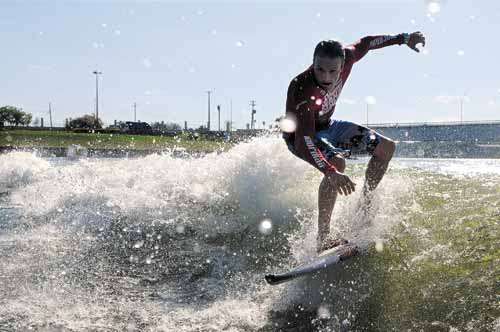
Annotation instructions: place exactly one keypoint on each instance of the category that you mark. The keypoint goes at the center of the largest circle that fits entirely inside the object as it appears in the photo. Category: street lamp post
(97, 73)
(218, 111)
(252, 121)
(367, 108)
(208, 123)
(370, 100)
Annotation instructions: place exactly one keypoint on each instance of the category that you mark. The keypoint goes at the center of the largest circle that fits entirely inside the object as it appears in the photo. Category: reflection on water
(162, 243)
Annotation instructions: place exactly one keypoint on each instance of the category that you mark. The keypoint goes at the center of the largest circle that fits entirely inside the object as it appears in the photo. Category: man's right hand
(341, 182)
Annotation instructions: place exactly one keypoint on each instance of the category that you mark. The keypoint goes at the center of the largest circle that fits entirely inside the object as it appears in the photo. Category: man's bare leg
(377, 166)
(327, 196)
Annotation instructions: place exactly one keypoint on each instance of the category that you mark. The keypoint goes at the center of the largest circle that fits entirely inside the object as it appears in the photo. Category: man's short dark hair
(329, 48)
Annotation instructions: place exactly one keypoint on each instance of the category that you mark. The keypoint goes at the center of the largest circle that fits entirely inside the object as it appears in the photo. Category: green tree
(85, 122)
(26, 119)
(165, 126)
(14, 115)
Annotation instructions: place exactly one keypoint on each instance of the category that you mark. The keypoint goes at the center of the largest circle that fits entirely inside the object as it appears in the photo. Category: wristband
(406, 38)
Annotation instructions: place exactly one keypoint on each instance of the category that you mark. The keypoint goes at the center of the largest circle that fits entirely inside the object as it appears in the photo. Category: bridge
(473, 139)
(486, 132)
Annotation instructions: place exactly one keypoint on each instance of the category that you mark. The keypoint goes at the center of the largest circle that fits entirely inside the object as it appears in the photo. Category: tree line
(14, 116)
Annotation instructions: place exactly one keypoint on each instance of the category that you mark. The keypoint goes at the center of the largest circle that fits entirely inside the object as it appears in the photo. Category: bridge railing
(419, 124)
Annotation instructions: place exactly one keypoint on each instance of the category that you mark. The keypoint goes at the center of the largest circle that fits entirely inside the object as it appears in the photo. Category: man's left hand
(416, 38)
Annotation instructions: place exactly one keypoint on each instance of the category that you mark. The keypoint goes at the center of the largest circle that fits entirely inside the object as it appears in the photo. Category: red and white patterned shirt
(312, 106)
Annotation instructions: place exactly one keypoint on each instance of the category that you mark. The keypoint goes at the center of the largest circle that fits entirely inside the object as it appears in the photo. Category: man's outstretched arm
(361, 47)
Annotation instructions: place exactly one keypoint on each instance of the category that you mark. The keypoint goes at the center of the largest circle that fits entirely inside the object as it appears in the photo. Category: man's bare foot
(330, 243)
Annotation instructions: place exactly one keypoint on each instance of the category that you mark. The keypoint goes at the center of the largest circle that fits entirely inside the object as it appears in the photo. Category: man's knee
(338, 162)
(385, 149)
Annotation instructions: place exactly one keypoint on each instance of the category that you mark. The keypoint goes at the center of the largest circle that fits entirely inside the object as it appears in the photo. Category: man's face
(327, 71)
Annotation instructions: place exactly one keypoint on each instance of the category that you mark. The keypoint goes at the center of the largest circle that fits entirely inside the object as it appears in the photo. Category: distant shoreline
(81, 152)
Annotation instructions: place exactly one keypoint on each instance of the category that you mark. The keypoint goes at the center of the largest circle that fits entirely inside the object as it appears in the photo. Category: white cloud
(39, 67)
(147, 63)
(347, 101)
(446, 99)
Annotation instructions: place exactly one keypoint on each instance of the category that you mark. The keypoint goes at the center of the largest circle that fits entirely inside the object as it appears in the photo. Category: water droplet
(265, 226)
(433, 7)
(138, 244)
(323, 312)
(147, 63)
(288, 125)
(239, 43)
(460, 53)
(133, 259)
(370, 100)
(179, 229)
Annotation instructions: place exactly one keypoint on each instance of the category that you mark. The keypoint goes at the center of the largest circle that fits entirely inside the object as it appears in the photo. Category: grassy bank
(63, 139)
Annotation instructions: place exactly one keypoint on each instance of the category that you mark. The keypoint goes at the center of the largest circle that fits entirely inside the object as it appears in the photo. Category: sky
(165, 55)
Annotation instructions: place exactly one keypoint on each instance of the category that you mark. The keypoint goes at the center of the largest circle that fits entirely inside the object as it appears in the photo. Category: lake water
(168, 244)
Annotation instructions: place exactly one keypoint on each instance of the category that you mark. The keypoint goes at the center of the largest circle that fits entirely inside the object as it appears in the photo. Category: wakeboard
(323, 261)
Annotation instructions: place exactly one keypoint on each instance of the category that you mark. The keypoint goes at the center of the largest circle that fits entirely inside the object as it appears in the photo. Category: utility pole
(218, 111)
(208, 123)
(50, 115)
(97, 73)
(135, 112)
(231, 115)
(252, 103)
(461, 115)
(367, 105)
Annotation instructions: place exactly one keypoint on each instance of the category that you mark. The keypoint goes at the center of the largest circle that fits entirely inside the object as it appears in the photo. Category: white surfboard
(324, 260)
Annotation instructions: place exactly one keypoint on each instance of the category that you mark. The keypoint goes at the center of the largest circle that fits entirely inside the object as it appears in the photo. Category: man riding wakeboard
(324, 142)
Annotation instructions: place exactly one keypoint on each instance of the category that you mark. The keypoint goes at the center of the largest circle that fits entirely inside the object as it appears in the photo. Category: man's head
(328, 61)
